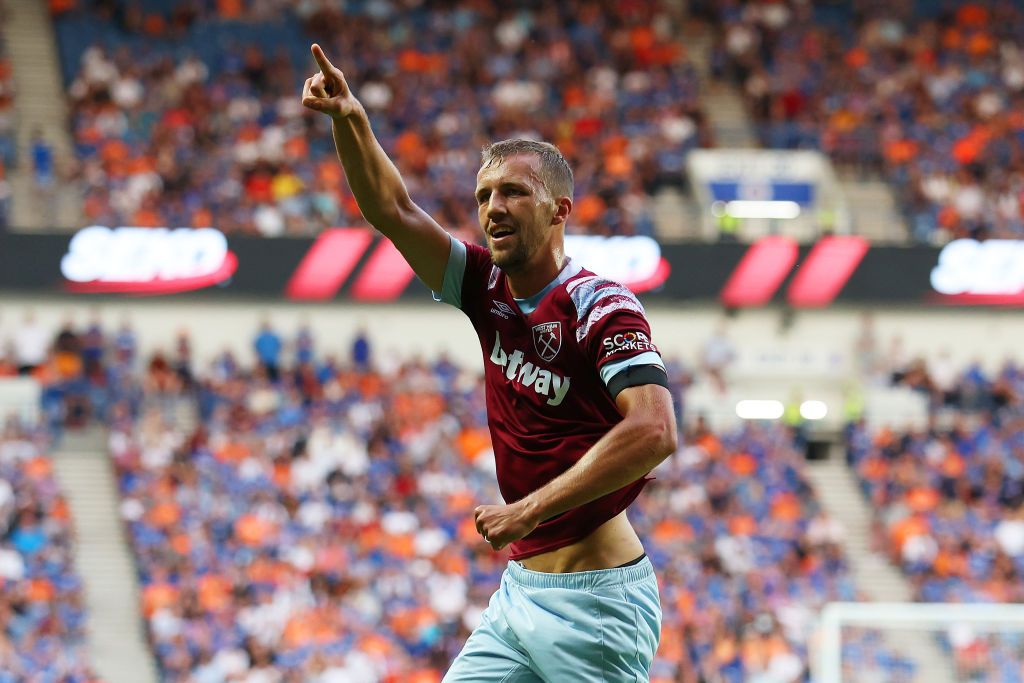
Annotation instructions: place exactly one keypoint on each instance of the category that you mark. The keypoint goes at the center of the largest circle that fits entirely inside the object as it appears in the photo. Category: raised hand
(327, 90)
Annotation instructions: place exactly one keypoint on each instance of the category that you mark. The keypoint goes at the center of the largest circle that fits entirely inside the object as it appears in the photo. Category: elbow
(383, 219)
(663, 439)
(669, 442)
(387, 217)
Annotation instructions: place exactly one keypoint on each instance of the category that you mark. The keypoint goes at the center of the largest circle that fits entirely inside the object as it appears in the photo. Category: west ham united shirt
(553, 364)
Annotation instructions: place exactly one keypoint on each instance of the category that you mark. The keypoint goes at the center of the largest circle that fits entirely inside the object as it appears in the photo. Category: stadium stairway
(729, 118)
(873, 210)
(836, 488)
(721, 100)
(676, 216)
(40, 105)
(676, 213)
(116, 638)
(186, 415)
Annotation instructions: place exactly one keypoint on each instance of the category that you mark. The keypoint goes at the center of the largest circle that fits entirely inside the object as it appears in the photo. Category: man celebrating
(577, 406)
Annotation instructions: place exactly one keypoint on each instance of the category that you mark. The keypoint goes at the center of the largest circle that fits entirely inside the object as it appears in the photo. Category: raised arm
(376, 183)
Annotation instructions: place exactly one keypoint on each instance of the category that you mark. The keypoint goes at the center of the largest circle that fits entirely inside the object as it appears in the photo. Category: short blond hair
(554, 169)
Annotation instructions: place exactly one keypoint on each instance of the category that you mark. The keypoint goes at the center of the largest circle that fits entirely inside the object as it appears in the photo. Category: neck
(535, 275)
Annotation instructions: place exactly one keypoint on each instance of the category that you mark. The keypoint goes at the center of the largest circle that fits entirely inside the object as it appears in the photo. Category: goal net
(920, 642)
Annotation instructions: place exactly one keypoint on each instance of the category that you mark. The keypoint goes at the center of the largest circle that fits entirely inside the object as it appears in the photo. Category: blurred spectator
(93, 342)
(268, 349)
(125, 343)
(944, 374)
(43, 172)
(304, 344)
(717, 355)
(362, 352)
(183, 359)
(31, 344)
(868, 356)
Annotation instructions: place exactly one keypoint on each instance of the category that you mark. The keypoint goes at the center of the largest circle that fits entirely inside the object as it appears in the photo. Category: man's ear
(563, 207)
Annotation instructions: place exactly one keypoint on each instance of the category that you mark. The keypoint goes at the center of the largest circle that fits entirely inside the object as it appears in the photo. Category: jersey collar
(529, 304)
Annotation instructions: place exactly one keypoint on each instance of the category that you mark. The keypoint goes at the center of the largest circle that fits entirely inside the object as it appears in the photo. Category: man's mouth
(500, 232)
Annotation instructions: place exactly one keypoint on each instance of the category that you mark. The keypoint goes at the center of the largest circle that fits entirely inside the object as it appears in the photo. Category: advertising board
(355, 264)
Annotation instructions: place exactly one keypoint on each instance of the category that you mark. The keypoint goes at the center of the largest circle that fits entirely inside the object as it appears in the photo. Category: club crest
(547, 340)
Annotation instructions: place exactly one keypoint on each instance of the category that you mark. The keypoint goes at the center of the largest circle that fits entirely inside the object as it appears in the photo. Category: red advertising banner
(356, 264)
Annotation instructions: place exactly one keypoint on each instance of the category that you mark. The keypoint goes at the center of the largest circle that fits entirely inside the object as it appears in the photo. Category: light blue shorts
(565, 628)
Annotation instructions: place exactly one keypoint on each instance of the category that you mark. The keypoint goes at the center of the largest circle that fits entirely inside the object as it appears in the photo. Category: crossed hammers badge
(547, 340)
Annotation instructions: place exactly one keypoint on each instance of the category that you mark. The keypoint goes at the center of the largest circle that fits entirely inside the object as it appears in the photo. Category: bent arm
(632, 448)
(385, 202)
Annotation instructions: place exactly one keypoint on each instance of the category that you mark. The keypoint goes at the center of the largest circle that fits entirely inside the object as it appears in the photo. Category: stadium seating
(42, 617)
(179, 119)
(323, 523)
(927, 94)
(949, 499)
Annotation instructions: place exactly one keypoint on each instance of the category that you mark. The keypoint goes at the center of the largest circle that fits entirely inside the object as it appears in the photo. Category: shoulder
(595, 298)
(591, 293)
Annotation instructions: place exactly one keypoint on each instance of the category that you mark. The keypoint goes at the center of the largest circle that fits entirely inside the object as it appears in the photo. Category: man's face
(515, 210)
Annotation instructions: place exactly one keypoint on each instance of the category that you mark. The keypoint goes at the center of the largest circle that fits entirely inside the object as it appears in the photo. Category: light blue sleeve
(646, 358)
(454, 272)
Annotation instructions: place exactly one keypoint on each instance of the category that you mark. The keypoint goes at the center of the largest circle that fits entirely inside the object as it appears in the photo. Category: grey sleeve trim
(645, 358)
(454, 273)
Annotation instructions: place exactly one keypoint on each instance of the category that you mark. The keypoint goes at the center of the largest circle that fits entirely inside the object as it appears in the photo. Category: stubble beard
(511, 260)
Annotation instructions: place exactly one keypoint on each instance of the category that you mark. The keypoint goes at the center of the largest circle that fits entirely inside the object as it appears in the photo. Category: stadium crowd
(188, 114)
(81, 369)
(315, 523)
(927, 94)
(950, 387)
(950, 513)
(949, 498)
(310, 480)
(42, 613)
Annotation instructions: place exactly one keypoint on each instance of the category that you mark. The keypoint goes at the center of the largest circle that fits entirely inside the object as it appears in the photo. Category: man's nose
(495, 206)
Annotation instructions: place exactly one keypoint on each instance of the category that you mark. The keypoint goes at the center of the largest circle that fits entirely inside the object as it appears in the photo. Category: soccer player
(577, 406)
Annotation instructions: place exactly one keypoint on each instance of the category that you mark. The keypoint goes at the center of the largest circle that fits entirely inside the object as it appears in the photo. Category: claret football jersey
(553, 364)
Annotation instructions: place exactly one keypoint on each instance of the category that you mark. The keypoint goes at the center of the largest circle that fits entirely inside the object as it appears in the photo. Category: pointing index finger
(321, 59)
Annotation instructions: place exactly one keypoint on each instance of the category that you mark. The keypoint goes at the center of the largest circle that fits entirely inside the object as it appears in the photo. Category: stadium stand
(308, 517)
(747, 553)
(926, 94)
(179, 120)
(320, 526)
(949, 499)
(42, 617)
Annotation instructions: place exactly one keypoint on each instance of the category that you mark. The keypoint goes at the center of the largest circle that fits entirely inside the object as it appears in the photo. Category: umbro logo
(502, 309)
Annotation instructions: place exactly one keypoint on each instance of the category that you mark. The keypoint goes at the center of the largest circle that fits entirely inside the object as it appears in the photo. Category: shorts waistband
(599, 578)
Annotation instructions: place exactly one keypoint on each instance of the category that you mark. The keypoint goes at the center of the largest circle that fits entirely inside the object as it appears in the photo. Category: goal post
(987, 617)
